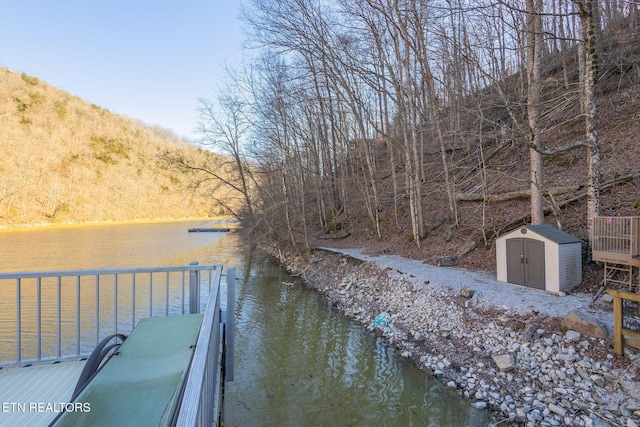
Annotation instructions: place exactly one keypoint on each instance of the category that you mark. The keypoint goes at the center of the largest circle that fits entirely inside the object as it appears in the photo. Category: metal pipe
(150, 294)
(18, 321)
(183, 280)
(59, 317)
(230, 324)
(78, 313)
(194, 290)
(166, 295)
(133, 301)
(38, 318)
(97, 309)
(103, 271)
(115, 303)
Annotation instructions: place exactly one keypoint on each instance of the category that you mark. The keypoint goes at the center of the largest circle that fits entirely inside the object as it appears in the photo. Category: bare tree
(534, 84)
(588, 23)
(369, 78)
(224, 125)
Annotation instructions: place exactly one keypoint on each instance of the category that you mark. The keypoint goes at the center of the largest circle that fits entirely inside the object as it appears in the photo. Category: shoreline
(551, 377)
(42, 226)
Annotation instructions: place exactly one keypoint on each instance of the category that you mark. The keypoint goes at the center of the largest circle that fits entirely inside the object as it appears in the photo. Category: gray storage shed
(541, 257)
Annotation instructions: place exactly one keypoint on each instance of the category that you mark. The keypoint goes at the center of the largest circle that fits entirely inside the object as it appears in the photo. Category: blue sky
(149, 60)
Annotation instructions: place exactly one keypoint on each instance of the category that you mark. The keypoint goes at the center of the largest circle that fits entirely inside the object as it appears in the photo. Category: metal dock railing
(58, 315)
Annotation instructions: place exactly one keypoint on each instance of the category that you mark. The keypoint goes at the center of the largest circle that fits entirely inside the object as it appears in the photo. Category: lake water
(298, 361)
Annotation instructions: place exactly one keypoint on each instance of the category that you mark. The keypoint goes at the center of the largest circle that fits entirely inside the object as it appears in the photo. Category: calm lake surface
(298, 361)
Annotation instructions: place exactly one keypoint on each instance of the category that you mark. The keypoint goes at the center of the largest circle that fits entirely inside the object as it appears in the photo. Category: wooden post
(618, 340)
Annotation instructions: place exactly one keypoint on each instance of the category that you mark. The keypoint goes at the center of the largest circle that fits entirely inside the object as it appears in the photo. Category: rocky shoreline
(525, 369)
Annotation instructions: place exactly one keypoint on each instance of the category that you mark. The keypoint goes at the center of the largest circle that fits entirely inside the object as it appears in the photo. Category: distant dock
(209, 230)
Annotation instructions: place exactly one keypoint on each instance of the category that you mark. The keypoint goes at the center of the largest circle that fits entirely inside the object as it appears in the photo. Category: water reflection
(298, 362)
(102, 246)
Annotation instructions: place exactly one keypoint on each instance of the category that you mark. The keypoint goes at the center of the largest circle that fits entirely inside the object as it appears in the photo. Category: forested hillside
(430, 127)
(66, 161)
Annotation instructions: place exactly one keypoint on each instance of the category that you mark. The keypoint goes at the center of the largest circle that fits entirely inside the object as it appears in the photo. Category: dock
(170, 370)
(33, 392)
(141, 383)
(209, 230)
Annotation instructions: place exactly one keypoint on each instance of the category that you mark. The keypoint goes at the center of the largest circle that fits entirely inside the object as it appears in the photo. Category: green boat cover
(140, 386)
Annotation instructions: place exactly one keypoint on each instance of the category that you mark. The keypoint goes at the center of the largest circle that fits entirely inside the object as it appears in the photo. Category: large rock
(447, 261)
(504, 362)
(467, 292)
(582, 322)
(529, 332)
(572, 336)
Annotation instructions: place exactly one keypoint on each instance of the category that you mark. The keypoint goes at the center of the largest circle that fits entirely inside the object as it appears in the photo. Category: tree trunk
(589, 31)
(505, 197)
(534, 49)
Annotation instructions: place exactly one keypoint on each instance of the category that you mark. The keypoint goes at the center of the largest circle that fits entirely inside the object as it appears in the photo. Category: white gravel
(489, 292)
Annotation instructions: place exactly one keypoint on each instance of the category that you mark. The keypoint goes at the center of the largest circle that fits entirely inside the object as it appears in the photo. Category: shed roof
(547, 231)
(552, 233)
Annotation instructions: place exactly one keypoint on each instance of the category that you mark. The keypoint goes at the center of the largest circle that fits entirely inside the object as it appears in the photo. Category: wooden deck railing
(616, 240)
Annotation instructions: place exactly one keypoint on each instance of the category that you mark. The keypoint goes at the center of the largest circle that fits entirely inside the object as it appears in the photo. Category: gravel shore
(502, 348)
